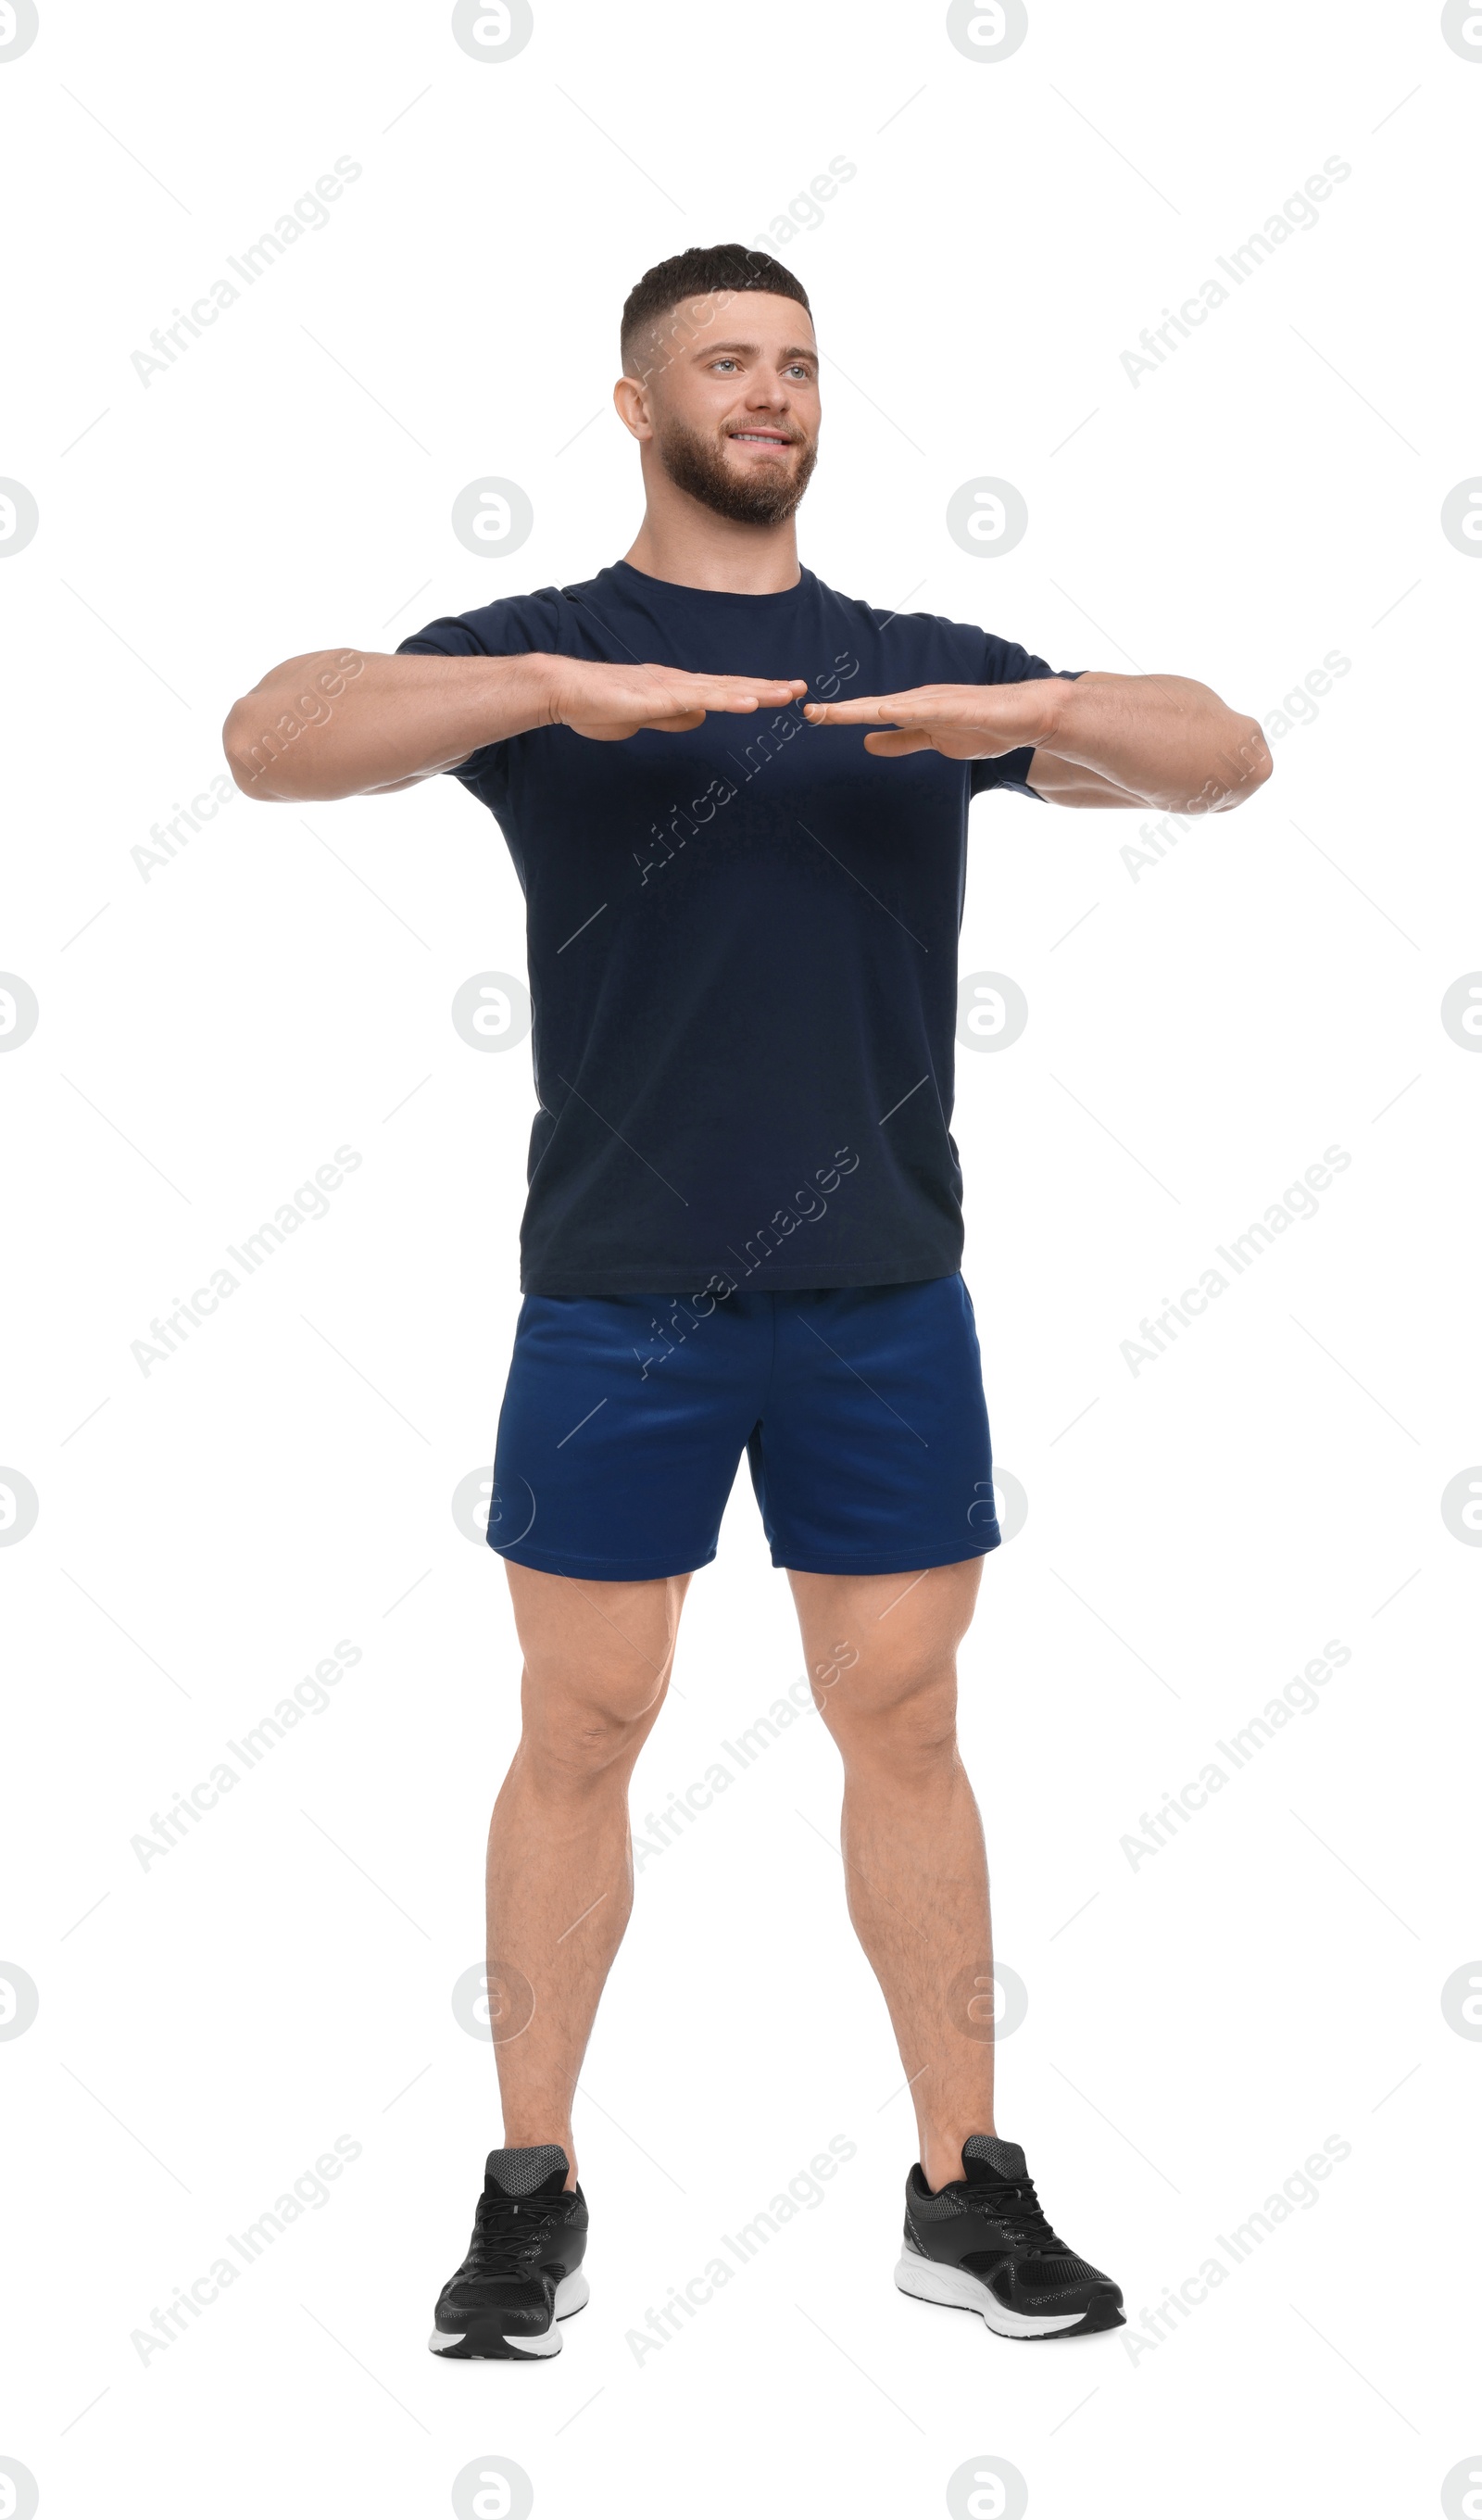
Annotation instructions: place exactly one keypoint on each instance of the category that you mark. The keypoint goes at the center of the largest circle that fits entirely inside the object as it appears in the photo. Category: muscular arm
(1147, 739)
(341, 723)
(1104, 740)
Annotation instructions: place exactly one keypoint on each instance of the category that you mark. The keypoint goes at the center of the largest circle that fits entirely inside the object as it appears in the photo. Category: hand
(610, 703)
(964, 721)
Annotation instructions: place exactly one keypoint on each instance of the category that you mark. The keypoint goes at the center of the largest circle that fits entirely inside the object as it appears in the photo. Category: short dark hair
(700, 271)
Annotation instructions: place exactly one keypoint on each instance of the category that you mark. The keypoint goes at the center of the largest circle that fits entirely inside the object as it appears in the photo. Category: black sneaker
(983, 2243)
(523, 2268)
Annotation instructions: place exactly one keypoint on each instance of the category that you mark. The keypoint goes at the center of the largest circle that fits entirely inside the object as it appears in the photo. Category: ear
(631, 402)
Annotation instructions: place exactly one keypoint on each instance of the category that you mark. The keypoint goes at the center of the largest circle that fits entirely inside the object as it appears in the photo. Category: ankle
(942, 2155)
(521, 2138)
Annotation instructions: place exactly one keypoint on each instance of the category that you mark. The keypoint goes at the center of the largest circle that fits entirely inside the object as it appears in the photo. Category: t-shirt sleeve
(1006, 662)
(518, 626)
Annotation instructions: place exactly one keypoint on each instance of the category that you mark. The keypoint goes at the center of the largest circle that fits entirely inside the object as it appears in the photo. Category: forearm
(1162, 740)
(342, 723)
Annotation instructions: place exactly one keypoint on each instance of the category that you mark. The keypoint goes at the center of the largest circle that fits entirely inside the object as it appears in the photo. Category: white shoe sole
(955, 2288)
(573, 2293)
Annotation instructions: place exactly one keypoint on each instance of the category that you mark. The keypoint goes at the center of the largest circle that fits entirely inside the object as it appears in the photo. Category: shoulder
(514, 625)
(909, 648)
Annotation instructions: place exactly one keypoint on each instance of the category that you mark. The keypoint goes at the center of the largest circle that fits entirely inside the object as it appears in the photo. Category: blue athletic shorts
(860, 1409)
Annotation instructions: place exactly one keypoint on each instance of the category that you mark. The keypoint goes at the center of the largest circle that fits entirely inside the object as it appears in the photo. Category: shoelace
(1015, 2204)
(508, 2232)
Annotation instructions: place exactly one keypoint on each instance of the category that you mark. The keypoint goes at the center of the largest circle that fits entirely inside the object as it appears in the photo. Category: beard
(695, 464)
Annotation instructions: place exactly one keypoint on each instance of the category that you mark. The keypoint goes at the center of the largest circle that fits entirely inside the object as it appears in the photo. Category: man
(743, 1227)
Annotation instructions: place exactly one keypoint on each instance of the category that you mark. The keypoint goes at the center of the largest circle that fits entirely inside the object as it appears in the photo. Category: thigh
(873, 1455)
(594, 1650)
(620, 1434)
(876, 1644)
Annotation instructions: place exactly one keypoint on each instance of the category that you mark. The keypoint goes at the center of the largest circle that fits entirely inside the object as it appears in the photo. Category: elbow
(261, 736)
(251, 750)
(1258, 756)
(1244, 766)
(237, 745)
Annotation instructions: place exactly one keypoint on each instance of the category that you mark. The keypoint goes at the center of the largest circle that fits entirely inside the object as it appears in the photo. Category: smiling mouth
(758, 437)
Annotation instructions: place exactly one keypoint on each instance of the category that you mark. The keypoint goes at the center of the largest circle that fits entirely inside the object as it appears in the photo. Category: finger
(769, 696)
(734, 690)
(847, 712)
(737, 700)
(618, 729)
(898, 740)
(860, 712)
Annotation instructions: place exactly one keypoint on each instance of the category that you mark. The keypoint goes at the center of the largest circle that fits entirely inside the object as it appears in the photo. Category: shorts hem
(877, 1562)
(602, 1570)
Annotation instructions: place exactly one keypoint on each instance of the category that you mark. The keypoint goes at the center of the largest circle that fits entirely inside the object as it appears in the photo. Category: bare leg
(597, 1663)
(881, 1653)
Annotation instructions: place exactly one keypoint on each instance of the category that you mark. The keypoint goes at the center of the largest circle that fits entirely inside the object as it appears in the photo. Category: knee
(906, 1720)
(596, 1662)
(572, 1739)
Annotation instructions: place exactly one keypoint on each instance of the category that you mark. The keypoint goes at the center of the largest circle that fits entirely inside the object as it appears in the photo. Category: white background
(210, 1033)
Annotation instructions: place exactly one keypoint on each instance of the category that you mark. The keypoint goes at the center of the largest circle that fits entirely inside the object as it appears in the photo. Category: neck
(689, 545)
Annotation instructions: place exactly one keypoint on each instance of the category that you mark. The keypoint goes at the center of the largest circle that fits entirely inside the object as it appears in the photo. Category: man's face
(733, 404)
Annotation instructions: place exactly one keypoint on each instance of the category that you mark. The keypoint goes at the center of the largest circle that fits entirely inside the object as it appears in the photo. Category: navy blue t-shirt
(741, 946)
